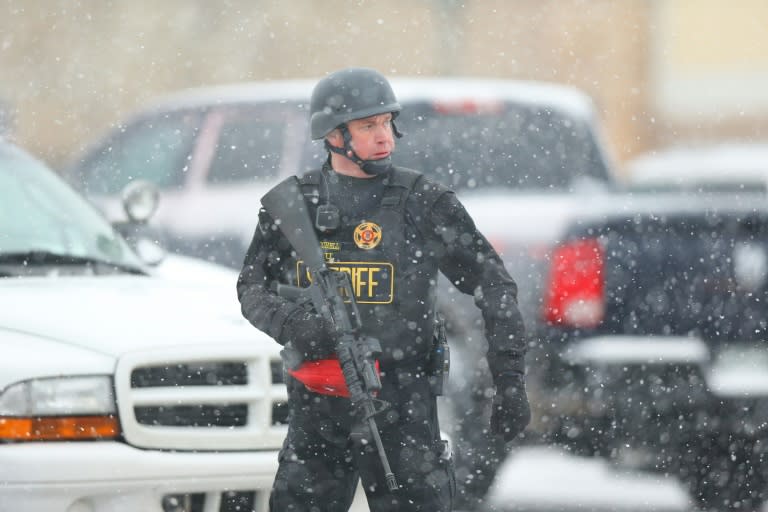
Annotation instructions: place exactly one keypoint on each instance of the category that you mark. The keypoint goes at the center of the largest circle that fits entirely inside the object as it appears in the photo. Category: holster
(440, 359)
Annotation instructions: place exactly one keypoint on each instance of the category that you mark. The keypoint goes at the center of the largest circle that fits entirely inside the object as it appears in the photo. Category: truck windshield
(40, 214)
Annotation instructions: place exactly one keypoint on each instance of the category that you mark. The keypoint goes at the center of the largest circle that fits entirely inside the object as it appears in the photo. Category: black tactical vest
(394, 276)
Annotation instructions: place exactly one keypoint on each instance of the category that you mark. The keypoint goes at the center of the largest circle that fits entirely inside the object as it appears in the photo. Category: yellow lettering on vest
(357, 282)
(333, 246)
(364, 281)
(372, 282)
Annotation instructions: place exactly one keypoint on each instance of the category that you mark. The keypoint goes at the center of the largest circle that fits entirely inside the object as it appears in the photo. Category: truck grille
(228, 501)
(202, 398)
(221, 415)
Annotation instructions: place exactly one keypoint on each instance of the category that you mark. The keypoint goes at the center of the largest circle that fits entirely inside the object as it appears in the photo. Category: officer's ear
(335, 138)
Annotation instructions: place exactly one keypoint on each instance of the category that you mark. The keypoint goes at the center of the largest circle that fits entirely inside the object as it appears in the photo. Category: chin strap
(372, 167)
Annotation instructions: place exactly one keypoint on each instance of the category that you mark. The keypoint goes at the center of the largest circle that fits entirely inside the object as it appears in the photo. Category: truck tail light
(575, 293)
(58, 428)
(468, 107)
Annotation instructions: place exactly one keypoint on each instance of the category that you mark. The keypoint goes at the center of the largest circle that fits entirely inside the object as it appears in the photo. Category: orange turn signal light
(58, 428)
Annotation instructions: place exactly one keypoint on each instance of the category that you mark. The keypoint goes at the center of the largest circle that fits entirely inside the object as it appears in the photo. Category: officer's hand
(310, 334)
(511, 412)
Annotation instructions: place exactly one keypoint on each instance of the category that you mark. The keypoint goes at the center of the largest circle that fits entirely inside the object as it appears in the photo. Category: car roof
(716, 163)
(630, 207)
(558, 97)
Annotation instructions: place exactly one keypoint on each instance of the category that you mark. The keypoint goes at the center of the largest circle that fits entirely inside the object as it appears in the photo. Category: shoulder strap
(310, 185)
(399, 185)
(424, 193)
(310, 178)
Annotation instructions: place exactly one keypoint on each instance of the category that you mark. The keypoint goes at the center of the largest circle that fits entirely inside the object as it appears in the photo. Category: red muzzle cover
(323, 376)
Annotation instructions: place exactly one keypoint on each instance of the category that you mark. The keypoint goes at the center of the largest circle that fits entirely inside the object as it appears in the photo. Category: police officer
(392, 229)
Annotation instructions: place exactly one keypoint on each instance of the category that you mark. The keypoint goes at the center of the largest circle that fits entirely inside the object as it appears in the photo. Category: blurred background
(661, 72)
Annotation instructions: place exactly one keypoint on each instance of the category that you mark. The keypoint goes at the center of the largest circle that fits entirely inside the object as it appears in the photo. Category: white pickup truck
(121, 388)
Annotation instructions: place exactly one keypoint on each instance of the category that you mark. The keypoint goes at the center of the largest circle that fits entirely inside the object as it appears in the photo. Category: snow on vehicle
(122, 390)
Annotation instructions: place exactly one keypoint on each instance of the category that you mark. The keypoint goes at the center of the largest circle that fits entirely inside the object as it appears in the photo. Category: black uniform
(397, 231)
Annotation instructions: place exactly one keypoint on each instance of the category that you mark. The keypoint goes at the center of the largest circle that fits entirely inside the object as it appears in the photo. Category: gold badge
(367, 235)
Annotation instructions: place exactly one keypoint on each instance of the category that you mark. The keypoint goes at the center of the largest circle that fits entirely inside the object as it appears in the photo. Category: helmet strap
(372, 167)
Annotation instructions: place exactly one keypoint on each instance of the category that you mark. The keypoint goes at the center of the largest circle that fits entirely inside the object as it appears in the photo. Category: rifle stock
(328, 291)
(285, 203)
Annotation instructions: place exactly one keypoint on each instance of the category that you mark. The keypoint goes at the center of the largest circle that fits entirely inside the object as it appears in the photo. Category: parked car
(657, 308)
(122, 390)
(724, 167)
(523, 157)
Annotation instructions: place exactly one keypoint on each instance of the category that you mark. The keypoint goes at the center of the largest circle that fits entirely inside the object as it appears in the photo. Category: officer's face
(372, 137)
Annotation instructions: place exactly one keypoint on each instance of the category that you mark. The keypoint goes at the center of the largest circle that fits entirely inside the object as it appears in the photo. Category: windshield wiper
(43, 258)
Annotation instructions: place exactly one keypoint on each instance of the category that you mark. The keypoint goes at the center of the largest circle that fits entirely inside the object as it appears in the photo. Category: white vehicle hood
(118, 314)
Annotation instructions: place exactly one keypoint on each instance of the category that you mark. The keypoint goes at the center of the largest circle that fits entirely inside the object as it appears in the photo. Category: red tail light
(468, 106)
(575, 294)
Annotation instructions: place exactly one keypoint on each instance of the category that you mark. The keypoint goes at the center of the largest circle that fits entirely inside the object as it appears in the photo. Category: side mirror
(140, 202)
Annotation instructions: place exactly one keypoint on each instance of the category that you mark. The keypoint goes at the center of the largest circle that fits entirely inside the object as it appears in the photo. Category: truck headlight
(59, 408)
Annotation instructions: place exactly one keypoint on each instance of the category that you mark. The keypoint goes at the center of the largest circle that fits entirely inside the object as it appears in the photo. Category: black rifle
(328, 292)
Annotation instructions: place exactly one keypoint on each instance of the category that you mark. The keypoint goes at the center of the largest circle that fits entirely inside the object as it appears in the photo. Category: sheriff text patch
(372, 282)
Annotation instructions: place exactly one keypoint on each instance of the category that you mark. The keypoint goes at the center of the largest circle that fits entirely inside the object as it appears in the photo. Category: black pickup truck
(655, 351)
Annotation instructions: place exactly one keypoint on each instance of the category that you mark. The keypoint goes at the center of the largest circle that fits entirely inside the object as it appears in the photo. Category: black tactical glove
(309, 334)
(511, 412)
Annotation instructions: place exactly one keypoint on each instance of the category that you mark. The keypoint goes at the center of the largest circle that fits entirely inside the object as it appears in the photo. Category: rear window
(503, 145)
(257, 142)
(156, 149)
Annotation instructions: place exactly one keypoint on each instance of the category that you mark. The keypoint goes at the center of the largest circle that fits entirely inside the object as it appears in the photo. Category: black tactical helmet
(351, 93)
